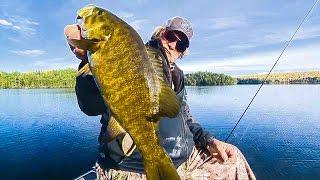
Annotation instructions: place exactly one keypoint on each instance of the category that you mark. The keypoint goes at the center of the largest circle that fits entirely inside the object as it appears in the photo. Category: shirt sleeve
(89, 99)
(201, 137)
(88, 95)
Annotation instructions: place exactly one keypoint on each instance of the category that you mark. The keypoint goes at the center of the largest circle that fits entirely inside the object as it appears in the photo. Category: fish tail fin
(161, 170)
(84, 44)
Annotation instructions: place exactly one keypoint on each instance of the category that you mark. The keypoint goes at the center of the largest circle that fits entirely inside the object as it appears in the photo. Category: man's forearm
(200, 136)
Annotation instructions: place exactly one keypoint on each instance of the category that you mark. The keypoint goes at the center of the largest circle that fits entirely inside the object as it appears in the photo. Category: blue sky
(232, 37)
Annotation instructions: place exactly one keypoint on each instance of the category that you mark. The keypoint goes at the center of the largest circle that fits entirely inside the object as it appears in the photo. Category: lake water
(43, 134)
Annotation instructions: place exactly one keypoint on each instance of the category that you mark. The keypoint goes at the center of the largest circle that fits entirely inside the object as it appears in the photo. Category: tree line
(66, 79)
(39, 79)
(312, 77)
(209, 79)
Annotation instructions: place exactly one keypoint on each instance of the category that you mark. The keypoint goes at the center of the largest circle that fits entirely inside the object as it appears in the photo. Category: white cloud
(55, 63)
(264, 14)
(270, 37)
(300, 58)
(138, 24)
(242, 46)
(17, 27)
(133, 21)
(125, 15)
(33, 52)
(309, 32)
(141, 1)
(228, 22)
(14, 39)
(27, 21)
(216, 35)
(5, 22)
(20, 24)
(24, 25)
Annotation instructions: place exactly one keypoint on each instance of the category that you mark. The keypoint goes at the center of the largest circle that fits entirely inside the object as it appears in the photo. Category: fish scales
(129, 85)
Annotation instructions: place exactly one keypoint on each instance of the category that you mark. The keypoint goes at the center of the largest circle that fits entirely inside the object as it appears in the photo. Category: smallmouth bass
(131, 84)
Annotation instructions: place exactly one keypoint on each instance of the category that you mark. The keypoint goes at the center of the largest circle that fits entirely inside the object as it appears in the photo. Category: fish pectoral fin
(168, 101)
(156, 63)
(169, 104)
(114, 129)
(127, 145)
(84, 44)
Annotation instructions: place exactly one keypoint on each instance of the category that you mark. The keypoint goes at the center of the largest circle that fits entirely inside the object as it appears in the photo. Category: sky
(231, 37)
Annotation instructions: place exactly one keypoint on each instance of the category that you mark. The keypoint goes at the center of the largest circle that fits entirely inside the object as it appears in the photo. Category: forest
(39, 79)
(209, 79)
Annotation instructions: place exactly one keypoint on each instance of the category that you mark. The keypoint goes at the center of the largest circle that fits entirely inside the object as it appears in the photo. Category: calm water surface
(43, 134)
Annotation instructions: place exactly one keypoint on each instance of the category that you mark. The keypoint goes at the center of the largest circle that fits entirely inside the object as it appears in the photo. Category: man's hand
(222, 151)
(73, 32)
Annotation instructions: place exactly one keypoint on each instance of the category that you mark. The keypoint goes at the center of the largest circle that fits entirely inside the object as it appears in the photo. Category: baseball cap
(180, 24)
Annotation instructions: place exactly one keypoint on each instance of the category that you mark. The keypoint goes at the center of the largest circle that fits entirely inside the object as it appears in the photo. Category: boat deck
(90, 175)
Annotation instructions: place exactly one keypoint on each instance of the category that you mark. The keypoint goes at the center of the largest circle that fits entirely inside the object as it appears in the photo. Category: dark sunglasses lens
(169, 35)
(181, 46)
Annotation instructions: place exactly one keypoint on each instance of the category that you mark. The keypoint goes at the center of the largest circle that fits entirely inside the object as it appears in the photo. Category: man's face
(169, 41)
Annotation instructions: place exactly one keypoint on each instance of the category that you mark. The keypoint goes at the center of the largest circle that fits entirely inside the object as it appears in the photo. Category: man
(183, 138)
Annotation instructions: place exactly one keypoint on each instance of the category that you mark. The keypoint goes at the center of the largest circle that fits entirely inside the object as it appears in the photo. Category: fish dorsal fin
(169, 104)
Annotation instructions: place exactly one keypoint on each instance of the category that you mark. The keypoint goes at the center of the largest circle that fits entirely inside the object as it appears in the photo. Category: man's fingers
(232, 154)
(79, 52)
(231, 151)
(72, 31)
(221, 151)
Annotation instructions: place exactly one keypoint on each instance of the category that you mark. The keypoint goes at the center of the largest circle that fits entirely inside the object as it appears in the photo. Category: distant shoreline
(67, 78)
(311, 77)
(44, 88)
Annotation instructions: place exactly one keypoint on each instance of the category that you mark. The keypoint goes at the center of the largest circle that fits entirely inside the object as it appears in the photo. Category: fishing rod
(263, 82)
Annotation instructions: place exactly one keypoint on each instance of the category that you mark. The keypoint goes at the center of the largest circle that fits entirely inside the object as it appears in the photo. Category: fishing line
(263, 82)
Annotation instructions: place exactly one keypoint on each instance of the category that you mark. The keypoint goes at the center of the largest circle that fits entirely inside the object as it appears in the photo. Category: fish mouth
(84, 34)
(98, 21)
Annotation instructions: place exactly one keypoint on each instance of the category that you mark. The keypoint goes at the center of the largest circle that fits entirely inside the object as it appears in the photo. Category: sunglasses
(182, 40)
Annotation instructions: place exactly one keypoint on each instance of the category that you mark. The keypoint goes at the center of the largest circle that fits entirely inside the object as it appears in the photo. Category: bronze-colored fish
(131, 84)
